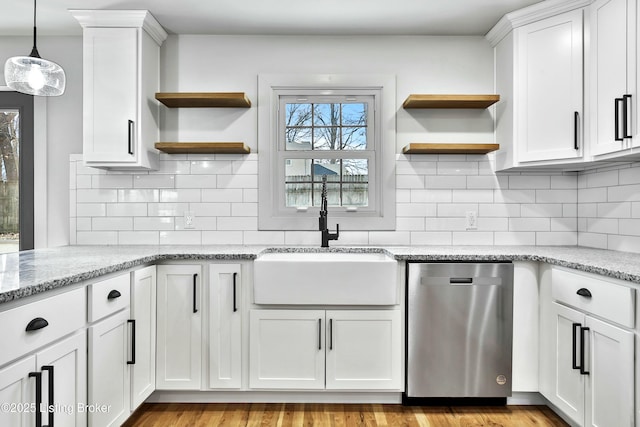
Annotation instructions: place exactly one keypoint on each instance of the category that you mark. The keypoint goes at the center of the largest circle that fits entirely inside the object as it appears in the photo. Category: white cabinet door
(110, 91)
(143, 313)
(225, 341)
(18, 389)
(610, 389)
(179, 327)
(64, 369)
(613, 52)
(364, 349)
(549, 69)
(287, 349)
(109, 384)
(568, 392)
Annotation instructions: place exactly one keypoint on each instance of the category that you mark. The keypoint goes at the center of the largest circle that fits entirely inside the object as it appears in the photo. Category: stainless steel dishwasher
(459, 330)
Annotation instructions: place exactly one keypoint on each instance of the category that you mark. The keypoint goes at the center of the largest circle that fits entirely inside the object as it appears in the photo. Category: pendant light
(33, 75)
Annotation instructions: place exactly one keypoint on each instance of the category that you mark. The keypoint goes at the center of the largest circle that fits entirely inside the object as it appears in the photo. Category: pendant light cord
(34, 52)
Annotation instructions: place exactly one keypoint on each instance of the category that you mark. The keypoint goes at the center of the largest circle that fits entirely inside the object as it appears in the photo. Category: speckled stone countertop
(33, 272)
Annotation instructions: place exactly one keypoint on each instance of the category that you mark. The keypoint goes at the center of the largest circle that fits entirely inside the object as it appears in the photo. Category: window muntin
(332, 136)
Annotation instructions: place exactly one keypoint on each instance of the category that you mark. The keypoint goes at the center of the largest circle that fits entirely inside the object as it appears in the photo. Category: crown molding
(121, 18)
(533, 13)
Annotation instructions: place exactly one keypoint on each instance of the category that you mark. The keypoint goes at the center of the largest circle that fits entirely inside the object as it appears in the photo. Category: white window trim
(272, 216)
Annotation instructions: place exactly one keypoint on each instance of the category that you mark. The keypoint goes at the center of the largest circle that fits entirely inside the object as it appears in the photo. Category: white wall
(63, 126)
(433, 192)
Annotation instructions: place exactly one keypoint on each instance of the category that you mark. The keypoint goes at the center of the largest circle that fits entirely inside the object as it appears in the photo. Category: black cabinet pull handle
(130, 147)
(330, 334)
(114, 294)
(50, 408)
(576, 120)
(37, 323)
(584, 292)
(38, 377)
(574, 345)
(235, 307)
(132, 322)
(583, 371)
(616, 120)
(319, 334)
(625, 115)
(195, 289)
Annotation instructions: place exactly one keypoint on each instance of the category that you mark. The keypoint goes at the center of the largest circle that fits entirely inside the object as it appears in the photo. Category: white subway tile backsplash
(476, 238)
(597, 208)
(223, 195)
(515, 238)
(126, 209)
(111, 181)
(113, 223)
(624, 193)
(180, 195)
(96, 195)
(154, 181)
(180, 237)
(154, 223)
(444, 181)
(237, 181)
(556, 238)
(91, 209)
(470, 196)
(431, 238)
(138, 238)
(520, 182)
(222, 238)
(196, 181)
(138, 196)
(529, 224)
(630, 175)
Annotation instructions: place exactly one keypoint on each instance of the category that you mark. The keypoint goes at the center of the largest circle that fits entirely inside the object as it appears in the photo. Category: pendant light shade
(32, 74)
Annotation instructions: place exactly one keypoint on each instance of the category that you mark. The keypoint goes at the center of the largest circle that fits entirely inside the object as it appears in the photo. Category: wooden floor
(300, 414)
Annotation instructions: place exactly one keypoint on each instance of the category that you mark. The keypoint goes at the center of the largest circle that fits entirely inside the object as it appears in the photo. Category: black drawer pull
(37, 323)
(38, 377)
(114, 294)
(584, 292)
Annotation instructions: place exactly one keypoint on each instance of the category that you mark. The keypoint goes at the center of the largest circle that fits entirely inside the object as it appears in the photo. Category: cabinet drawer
(63, 313)
(108, 296)
(609, 300)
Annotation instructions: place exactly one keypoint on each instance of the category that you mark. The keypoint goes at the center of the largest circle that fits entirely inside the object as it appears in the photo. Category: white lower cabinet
(179, 327)
(589, 371)
(61, 368)
(143, 314)
(225, 332)
(109, 373)
(361, 349)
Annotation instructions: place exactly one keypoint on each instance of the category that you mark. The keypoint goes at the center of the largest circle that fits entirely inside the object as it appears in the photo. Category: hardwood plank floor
(338, 415)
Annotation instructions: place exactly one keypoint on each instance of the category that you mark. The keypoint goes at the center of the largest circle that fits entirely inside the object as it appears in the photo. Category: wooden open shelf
(203, 147)
(450, 101)
(204, 99)
(451, 148)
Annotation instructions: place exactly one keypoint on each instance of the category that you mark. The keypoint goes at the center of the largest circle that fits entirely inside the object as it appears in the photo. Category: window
(16, 172)
(326, 129)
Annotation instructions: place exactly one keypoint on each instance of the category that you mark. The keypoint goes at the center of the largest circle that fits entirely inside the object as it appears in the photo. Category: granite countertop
(33, 272)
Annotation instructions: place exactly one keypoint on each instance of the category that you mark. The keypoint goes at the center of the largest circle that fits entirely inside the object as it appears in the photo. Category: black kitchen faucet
(322, 221)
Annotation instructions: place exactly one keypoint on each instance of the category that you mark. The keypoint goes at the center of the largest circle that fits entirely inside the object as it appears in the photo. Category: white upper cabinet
(549, 61)
(613, 81)
(539, 76)
(121, 69)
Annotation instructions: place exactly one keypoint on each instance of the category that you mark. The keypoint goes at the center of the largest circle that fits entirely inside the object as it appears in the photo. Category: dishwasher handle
(461, 280)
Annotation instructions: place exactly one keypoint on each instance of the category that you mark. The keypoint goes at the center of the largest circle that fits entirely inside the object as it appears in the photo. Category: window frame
(25, 104)
(272, 212)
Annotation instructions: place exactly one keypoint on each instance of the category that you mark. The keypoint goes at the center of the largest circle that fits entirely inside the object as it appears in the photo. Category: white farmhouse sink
(325, 278)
